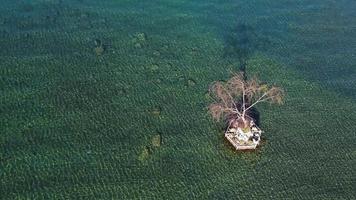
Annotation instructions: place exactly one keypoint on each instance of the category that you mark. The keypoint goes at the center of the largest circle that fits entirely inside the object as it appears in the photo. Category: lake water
(107, 99)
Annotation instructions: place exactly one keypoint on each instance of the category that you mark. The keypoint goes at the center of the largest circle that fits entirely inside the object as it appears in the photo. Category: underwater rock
(139, 40)
(141, 37)
(145, 153)
(191, 82)
(156, 111)
(157, 140)
(154, 67)
(122, 91)
(99, 50)
(156, 53)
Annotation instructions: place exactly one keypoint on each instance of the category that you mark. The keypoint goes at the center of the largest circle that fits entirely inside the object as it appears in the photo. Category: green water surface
(107, 99)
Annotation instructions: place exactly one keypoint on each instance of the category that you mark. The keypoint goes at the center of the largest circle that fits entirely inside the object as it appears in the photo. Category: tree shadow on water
(241, 42)
(255, 114)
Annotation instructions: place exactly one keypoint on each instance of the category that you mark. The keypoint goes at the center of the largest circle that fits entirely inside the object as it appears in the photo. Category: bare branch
(235, 97)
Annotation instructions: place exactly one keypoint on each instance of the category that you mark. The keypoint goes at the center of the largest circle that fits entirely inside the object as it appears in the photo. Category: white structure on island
(243, 138)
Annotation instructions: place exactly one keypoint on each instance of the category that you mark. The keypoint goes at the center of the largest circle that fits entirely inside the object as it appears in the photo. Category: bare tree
(235, 98)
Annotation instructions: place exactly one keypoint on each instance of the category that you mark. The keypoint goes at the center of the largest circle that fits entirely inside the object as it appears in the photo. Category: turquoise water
(87, 85)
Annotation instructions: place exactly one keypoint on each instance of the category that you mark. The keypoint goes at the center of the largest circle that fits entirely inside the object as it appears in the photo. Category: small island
(234, 102)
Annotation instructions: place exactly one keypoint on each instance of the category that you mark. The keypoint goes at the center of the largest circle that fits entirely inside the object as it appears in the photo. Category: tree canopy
(237, 96)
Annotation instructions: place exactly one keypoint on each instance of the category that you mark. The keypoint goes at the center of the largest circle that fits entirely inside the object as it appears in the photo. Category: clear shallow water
(87, 85)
